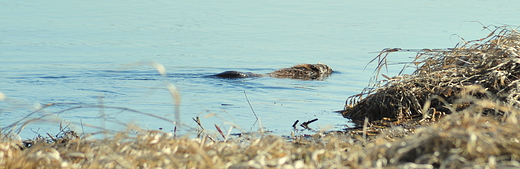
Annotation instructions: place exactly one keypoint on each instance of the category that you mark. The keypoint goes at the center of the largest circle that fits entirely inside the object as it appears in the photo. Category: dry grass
(465, 98)
(456, 141)
(443, 77)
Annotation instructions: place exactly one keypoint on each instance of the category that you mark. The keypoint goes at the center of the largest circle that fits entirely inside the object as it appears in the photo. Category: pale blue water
(79, 51)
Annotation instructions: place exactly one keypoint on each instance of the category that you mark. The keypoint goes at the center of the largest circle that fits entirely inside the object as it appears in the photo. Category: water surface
(93, 52)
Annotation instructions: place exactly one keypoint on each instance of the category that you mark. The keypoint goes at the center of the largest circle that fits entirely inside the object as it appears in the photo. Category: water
(94, 52)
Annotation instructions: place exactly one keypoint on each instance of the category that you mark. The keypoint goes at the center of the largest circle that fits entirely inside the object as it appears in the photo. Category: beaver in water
(301, 71)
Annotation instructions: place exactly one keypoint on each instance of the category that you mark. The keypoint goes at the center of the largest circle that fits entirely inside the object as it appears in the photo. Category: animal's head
(323, 68)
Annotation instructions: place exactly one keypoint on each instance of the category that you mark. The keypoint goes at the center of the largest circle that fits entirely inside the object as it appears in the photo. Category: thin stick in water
(245, 94)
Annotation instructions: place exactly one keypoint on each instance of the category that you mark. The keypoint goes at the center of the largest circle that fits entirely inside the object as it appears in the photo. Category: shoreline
(459, 109)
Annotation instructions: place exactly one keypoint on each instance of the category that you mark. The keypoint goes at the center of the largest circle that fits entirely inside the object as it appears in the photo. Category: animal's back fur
(301, 71)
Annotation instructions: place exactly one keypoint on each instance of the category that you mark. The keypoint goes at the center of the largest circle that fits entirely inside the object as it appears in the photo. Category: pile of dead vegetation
(441, 80)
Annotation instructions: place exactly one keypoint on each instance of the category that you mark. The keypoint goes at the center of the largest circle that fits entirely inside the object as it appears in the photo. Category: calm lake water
(99, 52)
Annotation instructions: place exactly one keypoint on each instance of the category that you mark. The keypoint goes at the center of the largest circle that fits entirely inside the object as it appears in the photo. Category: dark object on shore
(306, 124)
(295, 123)
(301, 71)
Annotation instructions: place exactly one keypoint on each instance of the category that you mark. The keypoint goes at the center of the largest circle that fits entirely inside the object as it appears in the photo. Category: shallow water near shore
(100, 53)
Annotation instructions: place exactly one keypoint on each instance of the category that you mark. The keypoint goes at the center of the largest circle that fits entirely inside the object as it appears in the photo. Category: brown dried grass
(438, 84)
(461, 140)
(156, 149)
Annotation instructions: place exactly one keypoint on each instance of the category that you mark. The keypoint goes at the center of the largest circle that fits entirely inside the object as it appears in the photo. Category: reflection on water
(93, 52)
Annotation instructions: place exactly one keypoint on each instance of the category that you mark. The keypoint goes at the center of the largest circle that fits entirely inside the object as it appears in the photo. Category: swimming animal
(301, 71)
